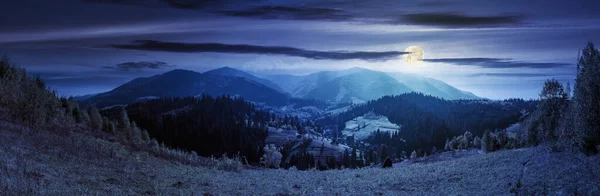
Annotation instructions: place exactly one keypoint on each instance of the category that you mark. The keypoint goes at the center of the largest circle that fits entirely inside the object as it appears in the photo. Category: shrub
(463, 143)
(469, 139)
(272, 156)
(413, 155)
(477, 143)
(229, 164)
(387, 163)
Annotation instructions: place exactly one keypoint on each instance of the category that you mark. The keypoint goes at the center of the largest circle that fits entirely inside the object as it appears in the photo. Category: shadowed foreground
(34, 163)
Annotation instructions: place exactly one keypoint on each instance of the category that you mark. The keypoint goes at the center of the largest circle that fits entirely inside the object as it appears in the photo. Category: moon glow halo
(414, 55)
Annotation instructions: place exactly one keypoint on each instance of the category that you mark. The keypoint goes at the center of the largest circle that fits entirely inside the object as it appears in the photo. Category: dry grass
(47, 163)
(77, 162)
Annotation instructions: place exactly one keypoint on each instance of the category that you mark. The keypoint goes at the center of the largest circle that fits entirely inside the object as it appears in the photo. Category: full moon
(414, 56)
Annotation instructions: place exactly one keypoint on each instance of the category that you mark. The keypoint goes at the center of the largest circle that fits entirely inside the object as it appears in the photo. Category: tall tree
(586, 97)
(486, 141)
(553, 101)
(353, 158)
(95, 118)
(123, 119)
(346, 158)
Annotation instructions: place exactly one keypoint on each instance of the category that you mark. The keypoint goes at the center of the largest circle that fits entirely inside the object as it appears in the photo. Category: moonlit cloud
(460, 20)
(152, 45)
(139, 65)
(497, 63)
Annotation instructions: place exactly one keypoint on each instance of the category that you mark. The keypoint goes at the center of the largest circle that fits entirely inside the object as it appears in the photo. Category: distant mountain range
(179, 83)
(358, 84)
(351, 85)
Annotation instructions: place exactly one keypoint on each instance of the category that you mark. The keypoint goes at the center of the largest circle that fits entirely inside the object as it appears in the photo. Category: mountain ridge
(181, 83)
(350, 85)
(302, 85)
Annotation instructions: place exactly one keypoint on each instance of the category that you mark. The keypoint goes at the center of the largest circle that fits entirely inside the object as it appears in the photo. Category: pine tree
(553, 101)
(361, 158)
(95, 118)
(585, 96)
(383, 152)
(568, 90)
(322, 149)
(123, 119)
(353, 158)
(77, 115)
(486, 141)
(85, 117)
(346, 158)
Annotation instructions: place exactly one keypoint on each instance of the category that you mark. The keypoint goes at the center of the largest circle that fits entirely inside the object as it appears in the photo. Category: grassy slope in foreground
(47, 164)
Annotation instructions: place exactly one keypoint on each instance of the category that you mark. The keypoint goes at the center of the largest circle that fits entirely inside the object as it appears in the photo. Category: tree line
(567, 122)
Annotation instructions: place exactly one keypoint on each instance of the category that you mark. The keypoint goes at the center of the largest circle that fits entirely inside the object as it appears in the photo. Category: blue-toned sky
(495, 49)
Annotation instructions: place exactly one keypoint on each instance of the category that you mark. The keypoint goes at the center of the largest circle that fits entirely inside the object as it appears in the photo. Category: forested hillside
(427, 121)
(206, 125)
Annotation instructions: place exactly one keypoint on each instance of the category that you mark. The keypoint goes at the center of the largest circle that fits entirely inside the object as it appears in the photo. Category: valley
(331, 119)
(287, 98)
(352, 132)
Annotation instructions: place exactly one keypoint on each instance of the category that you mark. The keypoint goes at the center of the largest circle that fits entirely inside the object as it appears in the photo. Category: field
(46, 163)
(361, 127)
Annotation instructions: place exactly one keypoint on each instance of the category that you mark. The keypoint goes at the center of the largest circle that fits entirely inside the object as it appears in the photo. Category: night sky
(497, 50)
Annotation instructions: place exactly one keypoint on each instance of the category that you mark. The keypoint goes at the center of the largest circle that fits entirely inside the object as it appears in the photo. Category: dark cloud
(495, 63)
(434, 3)
(459, 20)
(125, 2)
(511, 75)
(139, 65)
(179, 4)
(291, 13)
(349, 11)
(243, 9)
(191, 4)
(151, 45)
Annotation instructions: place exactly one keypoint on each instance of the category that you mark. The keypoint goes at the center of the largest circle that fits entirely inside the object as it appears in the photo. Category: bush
(477, 143)
(272, 157)
(387, 163)
(229, 164)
